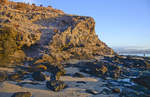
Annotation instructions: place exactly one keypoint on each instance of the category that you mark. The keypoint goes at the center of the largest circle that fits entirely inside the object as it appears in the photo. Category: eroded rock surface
(28, 31)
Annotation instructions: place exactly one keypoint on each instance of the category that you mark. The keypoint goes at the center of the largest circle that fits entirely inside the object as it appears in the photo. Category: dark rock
(16, 77)
(114, 71)
(56, 85)
(143, 80)
(106, 91)
(36, 68)
(7, 21)
(116, 90)
(22, 72)
(129, 93)
(81, 82)
(147, 64)
(22, 94)
(39, 76)
(3, 76)
(40, 67)
(78, 75)
(92, 92)
(56, 73)
(56, 76)
(140, 88)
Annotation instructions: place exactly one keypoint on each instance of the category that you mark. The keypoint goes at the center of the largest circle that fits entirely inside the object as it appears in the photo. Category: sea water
(142, 55)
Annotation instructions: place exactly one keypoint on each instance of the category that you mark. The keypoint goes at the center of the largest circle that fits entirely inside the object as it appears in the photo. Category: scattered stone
(3, 76)
(92, 92)
(56, 85)
(78, 75)
(22, 94)
(39, 76)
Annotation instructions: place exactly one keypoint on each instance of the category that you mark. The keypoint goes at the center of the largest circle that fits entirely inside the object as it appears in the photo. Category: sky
(119, 23)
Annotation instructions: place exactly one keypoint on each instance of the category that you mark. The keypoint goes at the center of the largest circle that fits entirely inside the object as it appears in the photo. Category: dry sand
(75, 87)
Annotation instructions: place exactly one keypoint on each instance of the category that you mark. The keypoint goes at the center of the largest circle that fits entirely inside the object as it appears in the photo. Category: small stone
(78, 75)
(39, 76)
(22, 94)
(92, 92)
(81, 82)
(116, 90)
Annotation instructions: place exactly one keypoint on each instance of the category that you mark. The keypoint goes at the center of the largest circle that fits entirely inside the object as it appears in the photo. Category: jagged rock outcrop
(47, 34)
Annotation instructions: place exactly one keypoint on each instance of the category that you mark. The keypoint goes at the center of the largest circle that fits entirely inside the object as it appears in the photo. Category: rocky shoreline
(111, 77)
(45, 52)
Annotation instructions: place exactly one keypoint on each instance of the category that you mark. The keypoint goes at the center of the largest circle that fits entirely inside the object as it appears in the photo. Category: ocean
(142, 55)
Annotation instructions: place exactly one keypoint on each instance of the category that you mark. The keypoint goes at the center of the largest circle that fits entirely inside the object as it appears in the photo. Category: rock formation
(45, 34)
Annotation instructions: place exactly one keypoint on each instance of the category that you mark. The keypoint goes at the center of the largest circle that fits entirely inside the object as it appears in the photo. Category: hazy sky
(118, 22)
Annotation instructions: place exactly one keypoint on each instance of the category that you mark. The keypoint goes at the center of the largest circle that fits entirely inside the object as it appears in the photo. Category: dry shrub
(22, 6)
(3, 1)
(9, 47)
(57, 11)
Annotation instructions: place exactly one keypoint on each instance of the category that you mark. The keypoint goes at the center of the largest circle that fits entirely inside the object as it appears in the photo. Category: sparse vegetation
(3, 1)
(22, 6)
(8, 45)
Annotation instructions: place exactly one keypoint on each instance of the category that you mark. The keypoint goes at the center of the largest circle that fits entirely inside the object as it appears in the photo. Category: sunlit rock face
(33, 32)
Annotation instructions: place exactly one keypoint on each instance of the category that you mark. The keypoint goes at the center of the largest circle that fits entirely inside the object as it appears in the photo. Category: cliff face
(78, 40)
(46, 34)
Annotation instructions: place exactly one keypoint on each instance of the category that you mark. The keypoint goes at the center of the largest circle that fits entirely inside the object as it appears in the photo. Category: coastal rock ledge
(30, 32)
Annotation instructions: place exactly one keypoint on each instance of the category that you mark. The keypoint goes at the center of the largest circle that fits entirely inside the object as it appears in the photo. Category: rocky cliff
(40, 34)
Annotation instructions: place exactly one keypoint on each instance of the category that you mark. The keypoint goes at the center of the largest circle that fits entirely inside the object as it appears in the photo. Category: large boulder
(55, 85)
(22, 94)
